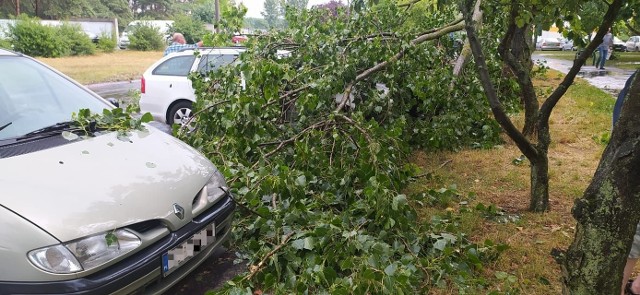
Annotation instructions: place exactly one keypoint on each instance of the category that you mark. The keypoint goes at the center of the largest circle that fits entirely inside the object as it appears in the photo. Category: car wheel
(180, 113)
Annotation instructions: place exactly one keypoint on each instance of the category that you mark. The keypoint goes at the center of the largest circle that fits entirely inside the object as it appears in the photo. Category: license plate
(197, 243)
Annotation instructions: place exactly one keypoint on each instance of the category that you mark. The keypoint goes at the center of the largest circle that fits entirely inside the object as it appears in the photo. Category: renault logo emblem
(178, 211)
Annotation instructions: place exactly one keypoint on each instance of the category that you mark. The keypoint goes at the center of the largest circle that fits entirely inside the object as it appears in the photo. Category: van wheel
(180, 113)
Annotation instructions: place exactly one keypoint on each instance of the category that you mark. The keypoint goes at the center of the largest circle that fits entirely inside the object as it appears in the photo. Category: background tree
(153, 9)
(332, 6)
(295, 4)
(193, 29)
(255, 23)
(272, 13)
(204, 10)
(630, 14)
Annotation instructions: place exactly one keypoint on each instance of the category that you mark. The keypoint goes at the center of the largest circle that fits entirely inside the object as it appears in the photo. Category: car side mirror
(114, 102)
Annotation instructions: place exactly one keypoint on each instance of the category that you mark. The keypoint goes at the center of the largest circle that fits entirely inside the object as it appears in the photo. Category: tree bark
(515, 50)
(539, 195)
(609, 210)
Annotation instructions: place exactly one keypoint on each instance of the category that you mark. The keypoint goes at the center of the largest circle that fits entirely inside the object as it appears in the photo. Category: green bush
(32, 38)
(145, 37)
(76, 42)
(5, 43)
(192, 29)
(106, 43)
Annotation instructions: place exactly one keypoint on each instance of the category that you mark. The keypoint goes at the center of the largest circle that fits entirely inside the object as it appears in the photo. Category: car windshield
(33, 97)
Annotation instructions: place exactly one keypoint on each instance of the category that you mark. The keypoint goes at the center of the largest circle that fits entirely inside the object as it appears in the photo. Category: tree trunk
(521, 49)
(515, 50)
(609, 210)
(539, 183)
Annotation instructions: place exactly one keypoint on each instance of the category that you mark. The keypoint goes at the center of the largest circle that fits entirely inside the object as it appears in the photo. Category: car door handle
(170, 85)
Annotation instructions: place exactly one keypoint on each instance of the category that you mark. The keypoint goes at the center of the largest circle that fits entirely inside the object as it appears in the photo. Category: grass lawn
(579, 121)
(622, 60)
(121, 65)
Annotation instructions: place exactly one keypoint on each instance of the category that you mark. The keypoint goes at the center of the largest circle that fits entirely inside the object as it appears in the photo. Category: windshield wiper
(52, 129)
(5, 126)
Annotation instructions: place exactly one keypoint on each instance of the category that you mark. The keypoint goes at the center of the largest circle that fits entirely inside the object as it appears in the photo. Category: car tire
(179, 113)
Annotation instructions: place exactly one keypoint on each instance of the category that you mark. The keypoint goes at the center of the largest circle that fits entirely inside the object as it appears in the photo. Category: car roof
(222, 50)
(4, 52)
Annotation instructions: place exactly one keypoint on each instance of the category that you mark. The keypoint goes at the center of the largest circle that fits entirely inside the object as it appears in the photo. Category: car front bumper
(142, 270)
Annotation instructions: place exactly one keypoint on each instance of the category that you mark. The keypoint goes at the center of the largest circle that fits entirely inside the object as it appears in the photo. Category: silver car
(101, 214)
(633, 44)
(549, 44)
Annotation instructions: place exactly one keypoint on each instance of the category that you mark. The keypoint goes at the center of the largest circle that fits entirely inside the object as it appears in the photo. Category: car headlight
(216, 187)
(86, 253)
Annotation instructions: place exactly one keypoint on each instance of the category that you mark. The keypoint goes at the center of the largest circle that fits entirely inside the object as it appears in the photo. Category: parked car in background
(549, 44)
(98, 214)
(238, 39)
(567, 45)
(633, 44)
(619, 45)
(166, 91)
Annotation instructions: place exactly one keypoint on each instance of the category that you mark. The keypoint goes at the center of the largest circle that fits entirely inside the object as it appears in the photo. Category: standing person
(629, 287)
(603, 49)
(179, 43)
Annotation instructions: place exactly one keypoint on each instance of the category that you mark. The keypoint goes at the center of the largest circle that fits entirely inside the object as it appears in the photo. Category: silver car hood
(102, 183)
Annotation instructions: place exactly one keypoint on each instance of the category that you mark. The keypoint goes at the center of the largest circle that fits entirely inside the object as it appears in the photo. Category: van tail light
(142, 86)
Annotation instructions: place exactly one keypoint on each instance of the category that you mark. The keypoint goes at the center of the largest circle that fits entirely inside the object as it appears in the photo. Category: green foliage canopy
(29, 36)
(320, 189)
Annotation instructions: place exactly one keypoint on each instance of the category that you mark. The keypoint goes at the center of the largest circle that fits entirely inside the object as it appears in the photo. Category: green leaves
(305, 243)
(111, 238)
(112, 120)
(332, 180)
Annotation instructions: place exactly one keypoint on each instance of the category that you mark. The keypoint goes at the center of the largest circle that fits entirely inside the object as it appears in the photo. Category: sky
(254, 7)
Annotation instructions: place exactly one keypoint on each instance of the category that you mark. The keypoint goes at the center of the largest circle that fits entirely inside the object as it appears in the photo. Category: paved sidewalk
(611, 79)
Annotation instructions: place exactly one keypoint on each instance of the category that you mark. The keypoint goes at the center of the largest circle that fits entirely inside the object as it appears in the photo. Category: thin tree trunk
(609, 210)
(539, 201)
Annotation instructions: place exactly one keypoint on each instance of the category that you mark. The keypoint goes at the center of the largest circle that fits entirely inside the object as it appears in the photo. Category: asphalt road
(611, 79)
(118, 90)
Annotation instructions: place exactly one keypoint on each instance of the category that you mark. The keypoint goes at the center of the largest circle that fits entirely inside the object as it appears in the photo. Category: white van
(161, 25)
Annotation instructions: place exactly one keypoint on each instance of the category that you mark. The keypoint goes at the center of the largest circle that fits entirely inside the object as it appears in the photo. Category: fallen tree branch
(408, 4)
(456, 25)
(354, 124)
(201, 111)
(465, 52)
(243, 206)
(294, 138)
(254, 269)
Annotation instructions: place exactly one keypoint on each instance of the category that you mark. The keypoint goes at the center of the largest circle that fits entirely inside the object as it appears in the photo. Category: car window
(212, 62)
(32, 97)
(175, 66)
